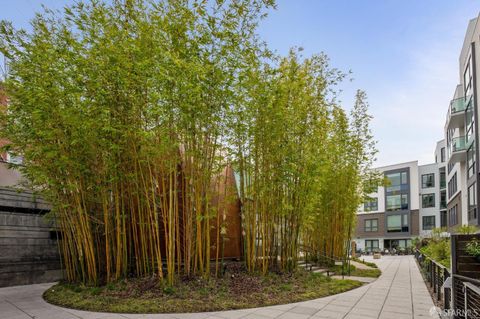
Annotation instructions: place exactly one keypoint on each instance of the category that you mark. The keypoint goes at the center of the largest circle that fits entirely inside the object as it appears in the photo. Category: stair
(313, 268)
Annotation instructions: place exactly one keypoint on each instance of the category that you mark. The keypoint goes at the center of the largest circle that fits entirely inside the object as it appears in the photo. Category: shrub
(473, 248)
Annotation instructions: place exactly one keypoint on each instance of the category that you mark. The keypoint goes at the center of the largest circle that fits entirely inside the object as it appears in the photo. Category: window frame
(430, 217)
(371, 227)
(404, 223)
(425, 182)
(372, 247)
(368, 207)
(432, 195)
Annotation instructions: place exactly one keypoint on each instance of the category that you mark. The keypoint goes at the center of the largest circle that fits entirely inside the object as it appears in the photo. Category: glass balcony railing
(459, 144)
(458, 105)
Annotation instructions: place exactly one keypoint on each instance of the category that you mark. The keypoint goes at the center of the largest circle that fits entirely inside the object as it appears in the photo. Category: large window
(452, 185)
(443, 218)
(371, 225)
(371, 205)
(443, 200)
(467, 78)
(397, 191)
(397, 202)
(428, 180)
(453, 216)
(443, 179)
(470, 121)
(472, 202)
(428, 222)
(397, 223)
(371, 245)
(471, 160)
(442, 154)
(428, 200)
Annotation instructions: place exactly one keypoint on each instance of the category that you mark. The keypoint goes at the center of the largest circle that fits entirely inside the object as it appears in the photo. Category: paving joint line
(389, 288)
(8, 301)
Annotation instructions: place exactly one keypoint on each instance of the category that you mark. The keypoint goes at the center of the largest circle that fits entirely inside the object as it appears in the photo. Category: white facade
(427, 211)
(380, 194)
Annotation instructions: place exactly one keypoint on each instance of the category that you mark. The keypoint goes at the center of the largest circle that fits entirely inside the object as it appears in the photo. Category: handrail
(311, 250)
(472, 287)
(471, 280)
(433, 260)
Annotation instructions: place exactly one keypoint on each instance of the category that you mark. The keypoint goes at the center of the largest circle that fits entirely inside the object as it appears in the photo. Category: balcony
(457, 150)
(456, 117)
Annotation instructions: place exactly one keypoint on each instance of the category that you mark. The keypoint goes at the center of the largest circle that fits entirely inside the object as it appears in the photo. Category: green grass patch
(234, 291)
(366, 263)
(375, 272)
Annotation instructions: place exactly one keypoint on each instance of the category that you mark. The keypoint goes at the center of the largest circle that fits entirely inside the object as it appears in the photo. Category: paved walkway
(399, 293)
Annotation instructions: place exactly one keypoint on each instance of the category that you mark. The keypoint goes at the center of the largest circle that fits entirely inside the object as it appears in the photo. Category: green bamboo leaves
(127, 113)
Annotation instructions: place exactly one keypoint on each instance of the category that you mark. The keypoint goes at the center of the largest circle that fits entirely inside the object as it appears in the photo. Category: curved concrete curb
(398, 293)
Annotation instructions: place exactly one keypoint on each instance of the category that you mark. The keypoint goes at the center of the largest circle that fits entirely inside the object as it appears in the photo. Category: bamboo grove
(127, 112)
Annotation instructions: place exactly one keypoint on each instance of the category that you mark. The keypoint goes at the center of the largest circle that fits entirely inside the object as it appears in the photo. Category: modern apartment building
(461, 134)
(411, 204)
(443, 194)
(391, 217)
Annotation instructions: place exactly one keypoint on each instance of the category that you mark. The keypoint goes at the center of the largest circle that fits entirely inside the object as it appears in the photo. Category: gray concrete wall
(27, 252)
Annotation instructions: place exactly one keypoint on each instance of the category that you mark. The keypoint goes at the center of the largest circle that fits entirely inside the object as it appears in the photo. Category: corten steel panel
(227, 204)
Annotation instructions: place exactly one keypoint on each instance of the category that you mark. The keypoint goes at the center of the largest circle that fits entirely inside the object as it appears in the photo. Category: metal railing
(436, 275)
(319, 259)
(466, 297)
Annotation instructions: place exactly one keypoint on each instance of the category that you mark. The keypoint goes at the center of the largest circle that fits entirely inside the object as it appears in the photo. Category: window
(443, 179)
(442, 154)
(452, 185)
(397, 191)
(472, 202)
(371, 245)
(467, 78)
(371, 225)
(428, 180)
(397, 202)
(470, 122)
(450, 167)
(428, 200)
(443, 200)
(428, 222)
(371, 205)
(443, 218)
(397, 223)
(471, 161)
(452, 216)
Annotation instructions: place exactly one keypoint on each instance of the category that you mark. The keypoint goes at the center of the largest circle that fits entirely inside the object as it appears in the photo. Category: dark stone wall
(27, 252)
(28, 247)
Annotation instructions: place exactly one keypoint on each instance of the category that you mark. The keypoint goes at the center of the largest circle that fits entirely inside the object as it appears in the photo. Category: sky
(403, 53)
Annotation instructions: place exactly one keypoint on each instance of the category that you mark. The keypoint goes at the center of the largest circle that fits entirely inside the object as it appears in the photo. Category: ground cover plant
(354, 271)
(367, 263)
(238, 289)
